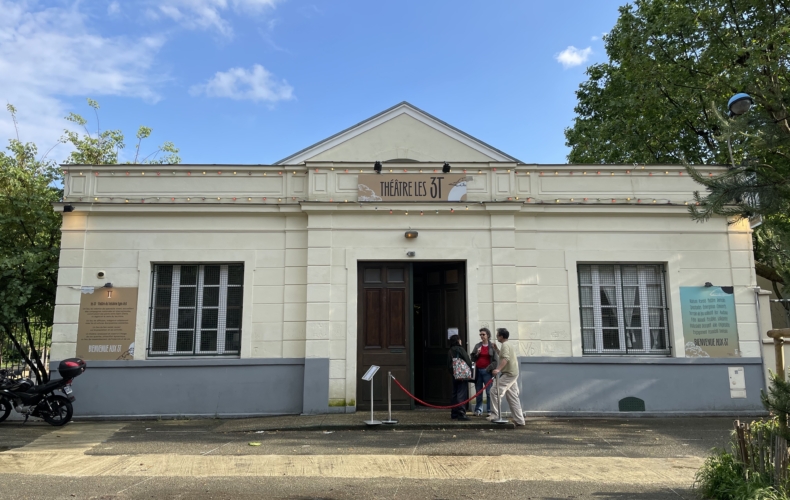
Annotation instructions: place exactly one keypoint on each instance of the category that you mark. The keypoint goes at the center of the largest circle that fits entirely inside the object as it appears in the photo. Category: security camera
(100, 275)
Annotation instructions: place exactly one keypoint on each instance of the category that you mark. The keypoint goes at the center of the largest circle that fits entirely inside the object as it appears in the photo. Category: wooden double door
(404, 312)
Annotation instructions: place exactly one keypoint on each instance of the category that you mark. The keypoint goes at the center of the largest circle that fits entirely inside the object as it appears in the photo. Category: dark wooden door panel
(383, 332)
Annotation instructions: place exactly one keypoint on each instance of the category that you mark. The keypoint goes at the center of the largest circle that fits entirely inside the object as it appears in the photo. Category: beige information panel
(107, 324)
(413, 187)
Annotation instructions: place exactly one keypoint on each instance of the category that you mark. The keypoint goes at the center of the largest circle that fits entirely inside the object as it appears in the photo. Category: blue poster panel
(710, 329)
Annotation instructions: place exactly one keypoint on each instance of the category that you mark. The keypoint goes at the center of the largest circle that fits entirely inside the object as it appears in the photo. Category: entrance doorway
(404, 311)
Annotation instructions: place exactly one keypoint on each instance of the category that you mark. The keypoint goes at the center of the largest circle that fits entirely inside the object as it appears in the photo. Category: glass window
(623, 309)
(196, 309)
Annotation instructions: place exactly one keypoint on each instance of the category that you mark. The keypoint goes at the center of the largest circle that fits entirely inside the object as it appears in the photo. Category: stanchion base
(373, 422)
(389, 422)
(500, 421)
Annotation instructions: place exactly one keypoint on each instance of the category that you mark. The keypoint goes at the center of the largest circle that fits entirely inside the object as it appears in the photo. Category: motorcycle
(40, 401)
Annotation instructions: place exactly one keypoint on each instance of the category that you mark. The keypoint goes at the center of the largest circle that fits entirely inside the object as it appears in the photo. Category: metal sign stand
(368, 376)
(389, 401)
(499, 420)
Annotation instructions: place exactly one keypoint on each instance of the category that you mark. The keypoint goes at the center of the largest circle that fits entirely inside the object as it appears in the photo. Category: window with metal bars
(196, 309)
(623, 309)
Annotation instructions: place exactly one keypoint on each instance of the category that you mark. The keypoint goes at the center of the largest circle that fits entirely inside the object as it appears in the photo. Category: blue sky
(252, 81)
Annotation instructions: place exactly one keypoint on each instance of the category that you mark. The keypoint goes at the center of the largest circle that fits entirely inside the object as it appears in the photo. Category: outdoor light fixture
(410, 235)
(739, 104)
(377, 167)
(68, 208)
(708, 284)
(446, 168)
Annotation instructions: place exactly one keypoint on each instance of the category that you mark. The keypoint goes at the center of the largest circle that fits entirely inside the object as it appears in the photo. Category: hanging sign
(413, 187)
(107, 324)
(710, 329)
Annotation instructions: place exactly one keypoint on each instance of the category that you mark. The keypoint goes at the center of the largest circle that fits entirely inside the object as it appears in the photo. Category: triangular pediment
(401, 133)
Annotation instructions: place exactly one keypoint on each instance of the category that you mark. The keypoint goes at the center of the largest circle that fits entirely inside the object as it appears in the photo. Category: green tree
(103, 147)
(30, 230)
(661, 97)
(29, 247)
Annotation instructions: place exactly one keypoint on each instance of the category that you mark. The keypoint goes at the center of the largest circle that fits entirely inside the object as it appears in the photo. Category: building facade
(270, 289)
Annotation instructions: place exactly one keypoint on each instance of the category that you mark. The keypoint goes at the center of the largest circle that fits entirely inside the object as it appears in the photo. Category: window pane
(232, 341)
(233, 320)
(587, 317)
(633, 339)
(586, 295)
(658, 339)
(188, 275)
(163, 296)
(208, 340)
(611, 339)
(209, 320)
(159, 341)
(630, 276)
(161, 319)
(186, 318)
(211, 276)
(186, 296)
(164, 275)
(585, 275)
(608, 296)
(606, 275)
(235, 275)
(184, 340)
(609, 317)
(234, 296)
(211, 296)
(588, 339)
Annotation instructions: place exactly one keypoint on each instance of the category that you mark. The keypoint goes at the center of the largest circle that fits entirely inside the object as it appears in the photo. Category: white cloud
(47, 53)
(208, 14)
(593, 38)
(254, 84)
(114, 8)
(572, 56)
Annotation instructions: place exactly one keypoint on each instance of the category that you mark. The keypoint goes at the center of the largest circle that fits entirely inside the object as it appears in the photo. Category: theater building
(235, 290)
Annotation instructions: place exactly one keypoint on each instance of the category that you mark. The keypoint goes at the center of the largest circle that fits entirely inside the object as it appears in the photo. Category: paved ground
(425, 456)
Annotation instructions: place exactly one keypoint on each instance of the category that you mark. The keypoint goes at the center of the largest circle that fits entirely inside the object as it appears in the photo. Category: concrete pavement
(304, 457)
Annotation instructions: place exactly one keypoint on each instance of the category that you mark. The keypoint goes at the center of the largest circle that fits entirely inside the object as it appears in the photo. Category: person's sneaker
(478, 413)
(491, 418)
(463, 417)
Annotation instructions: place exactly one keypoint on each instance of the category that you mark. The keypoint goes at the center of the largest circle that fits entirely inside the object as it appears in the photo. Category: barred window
(623, 309)
(196, 309)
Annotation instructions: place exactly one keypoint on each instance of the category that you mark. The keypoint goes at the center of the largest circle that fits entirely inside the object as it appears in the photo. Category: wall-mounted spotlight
(708, 284)
(377, 167)
(446, 168)
(410, 235)
(68, 208)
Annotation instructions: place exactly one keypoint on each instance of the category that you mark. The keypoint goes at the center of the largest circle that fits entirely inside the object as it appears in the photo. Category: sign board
(710, 329)
(107, 323)
(412, 187)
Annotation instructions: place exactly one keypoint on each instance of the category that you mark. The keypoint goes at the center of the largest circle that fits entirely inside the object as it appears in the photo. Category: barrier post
(499, 419)
(389, 400)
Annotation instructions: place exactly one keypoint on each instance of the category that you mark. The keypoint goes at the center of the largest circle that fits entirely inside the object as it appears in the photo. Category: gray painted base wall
(667, 385)
(190, 387)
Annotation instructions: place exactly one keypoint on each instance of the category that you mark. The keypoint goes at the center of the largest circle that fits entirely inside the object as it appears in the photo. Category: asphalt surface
(618, 440)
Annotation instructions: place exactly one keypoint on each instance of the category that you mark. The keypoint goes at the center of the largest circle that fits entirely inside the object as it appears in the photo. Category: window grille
(623, 309)
(196, 309)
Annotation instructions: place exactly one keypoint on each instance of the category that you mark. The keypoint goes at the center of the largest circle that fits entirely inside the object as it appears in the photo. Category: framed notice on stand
(107, 324)
(710, 329)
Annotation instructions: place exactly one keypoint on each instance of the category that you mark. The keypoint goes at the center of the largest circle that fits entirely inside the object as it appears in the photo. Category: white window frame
(644, 310)
(172, 329)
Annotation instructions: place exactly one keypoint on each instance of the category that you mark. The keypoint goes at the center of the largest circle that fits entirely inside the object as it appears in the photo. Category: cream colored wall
(401, 137)
(300, 249)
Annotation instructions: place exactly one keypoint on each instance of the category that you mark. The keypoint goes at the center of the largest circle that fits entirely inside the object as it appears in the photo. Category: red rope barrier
(441, 407)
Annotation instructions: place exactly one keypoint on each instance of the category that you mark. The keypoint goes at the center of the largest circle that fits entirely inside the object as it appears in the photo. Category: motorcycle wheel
(62, 410)
(5, 408)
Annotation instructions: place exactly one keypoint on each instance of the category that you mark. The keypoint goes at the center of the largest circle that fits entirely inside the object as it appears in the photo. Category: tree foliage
(662, 96)
(30, 228)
